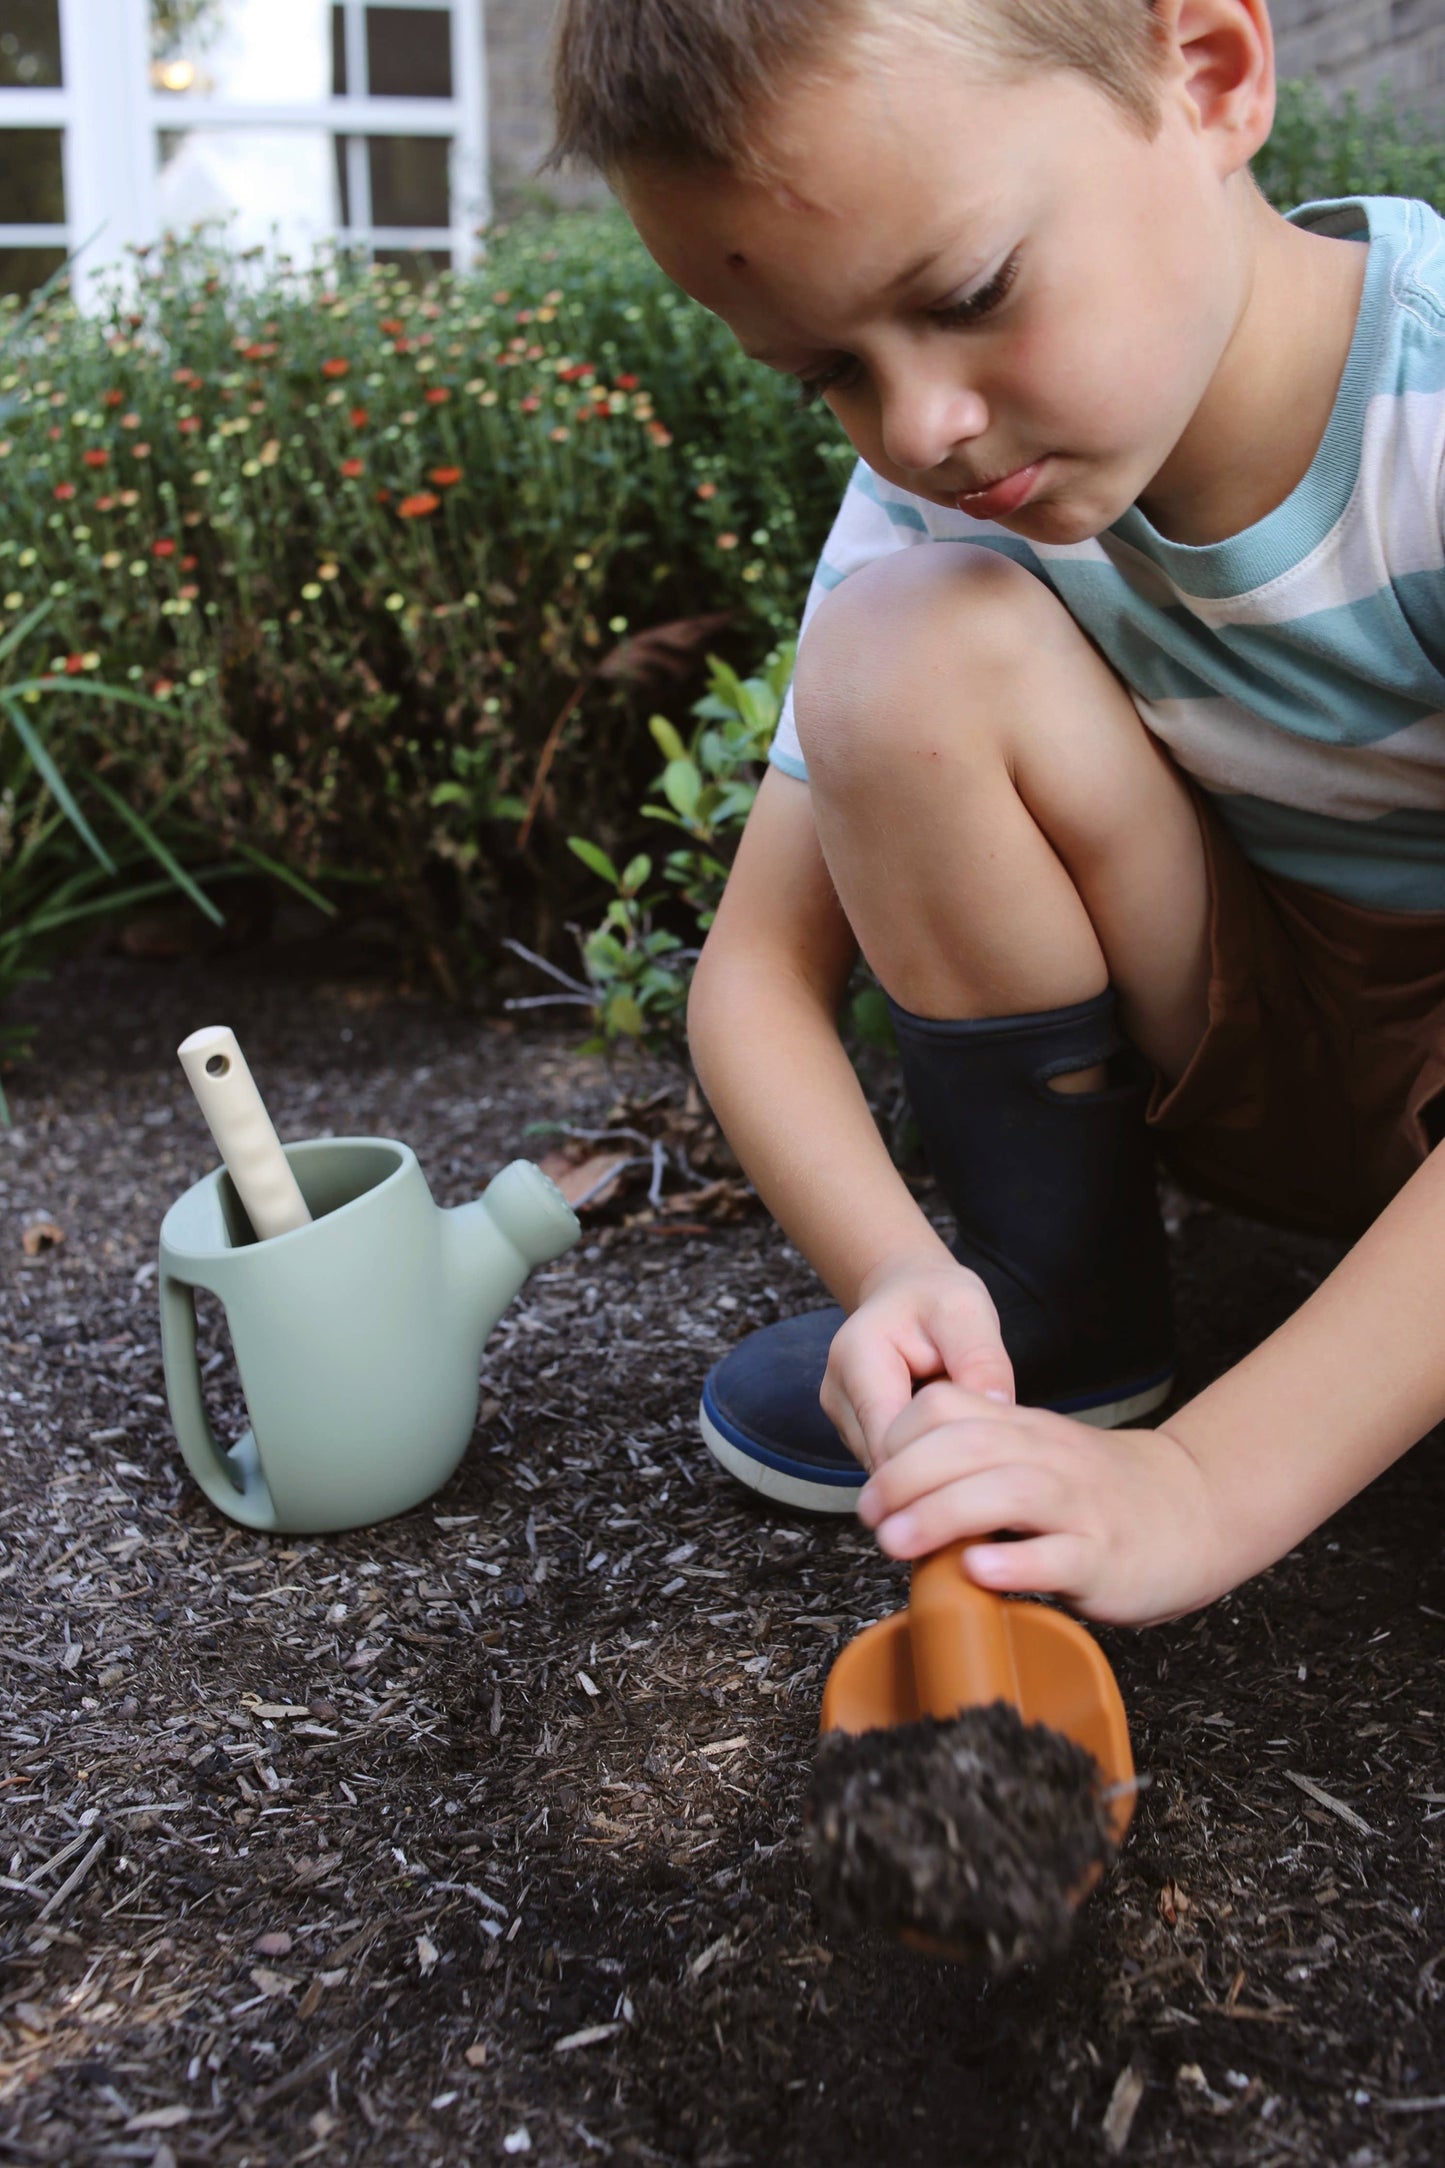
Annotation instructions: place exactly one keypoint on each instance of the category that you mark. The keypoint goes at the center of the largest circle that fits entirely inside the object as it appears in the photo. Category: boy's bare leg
(1003, 834)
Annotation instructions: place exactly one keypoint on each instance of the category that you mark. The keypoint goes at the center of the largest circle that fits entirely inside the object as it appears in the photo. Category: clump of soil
(975, 1833)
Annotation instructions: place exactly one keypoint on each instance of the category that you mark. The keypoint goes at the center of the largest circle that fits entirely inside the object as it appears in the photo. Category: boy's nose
(923, 424)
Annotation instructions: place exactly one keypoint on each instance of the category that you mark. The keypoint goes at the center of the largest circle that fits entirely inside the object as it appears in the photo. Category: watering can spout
(520, 1221)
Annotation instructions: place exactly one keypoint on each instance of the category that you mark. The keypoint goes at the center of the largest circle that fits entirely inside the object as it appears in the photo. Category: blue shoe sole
(811, 1487)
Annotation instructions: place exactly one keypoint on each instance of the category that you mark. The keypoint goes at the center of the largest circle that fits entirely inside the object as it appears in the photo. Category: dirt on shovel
(975, 1834)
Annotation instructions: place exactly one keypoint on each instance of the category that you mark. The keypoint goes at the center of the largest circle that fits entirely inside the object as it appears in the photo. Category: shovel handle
(959, 1637)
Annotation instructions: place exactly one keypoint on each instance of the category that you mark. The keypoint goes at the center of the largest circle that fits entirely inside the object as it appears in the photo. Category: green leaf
(595, 859)
(637, 871)
(291, 880)
(683, 785)
(451, 794)
(668, 743)
(623, 1016)
(162, 856)
(868, 1013)
(45, 766)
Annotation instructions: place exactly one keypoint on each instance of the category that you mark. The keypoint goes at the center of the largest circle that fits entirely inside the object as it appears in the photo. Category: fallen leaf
(273, 1945)
(575, 1177)
(476, 2055)
(427, 1954)
(272, 1983)
(41, 1235)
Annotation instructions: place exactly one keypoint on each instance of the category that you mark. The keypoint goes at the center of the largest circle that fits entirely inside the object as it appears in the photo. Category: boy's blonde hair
(686, 81)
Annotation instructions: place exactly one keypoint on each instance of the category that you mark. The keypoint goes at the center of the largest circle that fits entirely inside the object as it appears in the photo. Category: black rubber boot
(1054, 1198)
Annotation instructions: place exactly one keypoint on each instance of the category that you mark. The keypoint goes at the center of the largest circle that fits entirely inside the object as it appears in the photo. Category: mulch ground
(477, 1835)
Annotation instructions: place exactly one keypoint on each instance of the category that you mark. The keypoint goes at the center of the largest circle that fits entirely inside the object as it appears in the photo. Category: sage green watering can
(358, 1336)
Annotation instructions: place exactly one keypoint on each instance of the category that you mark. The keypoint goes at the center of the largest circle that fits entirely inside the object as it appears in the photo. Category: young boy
(1117, 747)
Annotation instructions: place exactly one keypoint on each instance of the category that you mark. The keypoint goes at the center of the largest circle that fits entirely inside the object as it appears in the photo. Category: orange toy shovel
(957, 1647)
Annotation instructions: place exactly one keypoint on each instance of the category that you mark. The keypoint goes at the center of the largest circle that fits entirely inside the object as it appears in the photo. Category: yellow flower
(310, 591)
(251, 467)
(14, 600)
(327, 571)
(583, 561)
(112, 559)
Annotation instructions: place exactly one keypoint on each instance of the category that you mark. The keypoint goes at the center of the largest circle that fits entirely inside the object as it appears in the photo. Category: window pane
(409, 52)
(409, 180)
(32, 187)
(247, 52)
(23, 269)
(277, 185)
(30, 45)
(338, 52)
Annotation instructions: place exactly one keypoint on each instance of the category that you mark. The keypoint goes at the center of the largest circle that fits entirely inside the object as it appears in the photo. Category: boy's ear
(1224, 52)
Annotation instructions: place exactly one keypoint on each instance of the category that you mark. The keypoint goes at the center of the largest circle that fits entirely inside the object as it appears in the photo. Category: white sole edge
(792, 1490)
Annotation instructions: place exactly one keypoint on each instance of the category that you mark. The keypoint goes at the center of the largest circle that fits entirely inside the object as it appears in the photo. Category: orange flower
(727, 541)
(420, 505)
(64, 491)
(445, 477)
(628, 383)
(531, 403)
(189, 424)
(337, 366)
(351, 468)
(437, 396)
(659, 434)
(164, 548)
(113, 399)
(706, 490)
(392, 326)
(74, 664)
(357, 417)
(95, 457)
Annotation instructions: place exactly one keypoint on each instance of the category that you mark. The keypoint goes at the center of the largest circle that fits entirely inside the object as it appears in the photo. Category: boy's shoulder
(1408, 236)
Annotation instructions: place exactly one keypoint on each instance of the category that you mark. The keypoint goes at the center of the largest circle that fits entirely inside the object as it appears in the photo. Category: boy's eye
(838, 376)
(842, 374)
(977, 305)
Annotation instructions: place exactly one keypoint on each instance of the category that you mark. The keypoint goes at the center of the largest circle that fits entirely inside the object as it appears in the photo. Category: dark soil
(394, 1846)
(977, 1833)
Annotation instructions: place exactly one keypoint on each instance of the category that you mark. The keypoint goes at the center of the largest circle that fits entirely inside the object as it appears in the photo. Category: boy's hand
(1121, 1524)
(920, 1316)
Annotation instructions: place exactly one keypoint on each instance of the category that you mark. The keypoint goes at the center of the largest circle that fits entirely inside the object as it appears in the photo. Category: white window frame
(110, 118)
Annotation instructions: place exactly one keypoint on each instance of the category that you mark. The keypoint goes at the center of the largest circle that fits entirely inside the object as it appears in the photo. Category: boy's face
(1012, 300)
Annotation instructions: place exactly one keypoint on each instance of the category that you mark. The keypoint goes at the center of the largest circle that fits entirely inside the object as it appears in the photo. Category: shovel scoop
(987, 1789)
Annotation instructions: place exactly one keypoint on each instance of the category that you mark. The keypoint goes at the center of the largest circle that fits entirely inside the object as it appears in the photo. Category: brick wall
(1362, 44)
(1344, 44)
(519, 34)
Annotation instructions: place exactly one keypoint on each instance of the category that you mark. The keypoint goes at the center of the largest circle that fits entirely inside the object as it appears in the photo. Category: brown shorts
(1319, 1085)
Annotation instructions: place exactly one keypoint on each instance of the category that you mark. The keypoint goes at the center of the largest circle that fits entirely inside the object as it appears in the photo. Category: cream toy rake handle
(247, 1142)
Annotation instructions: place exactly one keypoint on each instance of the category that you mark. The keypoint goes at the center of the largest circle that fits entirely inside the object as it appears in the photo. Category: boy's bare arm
(762, 1023)
(1135, 1526)
(762, 1026)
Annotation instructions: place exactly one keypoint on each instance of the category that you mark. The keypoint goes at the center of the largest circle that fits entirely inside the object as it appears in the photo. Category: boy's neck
(1257, 429)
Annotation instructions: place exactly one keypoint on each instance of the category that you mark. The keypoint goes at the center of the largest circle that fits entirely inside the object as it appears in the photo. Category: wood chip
(1123, 2105)
(588, 2037)
(1328, 1800)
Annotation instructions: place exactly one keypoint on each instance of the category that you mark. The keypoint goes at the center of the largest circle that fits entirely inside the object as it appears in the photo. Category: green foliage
(1315, 151)
(391, 563)
(638, 969)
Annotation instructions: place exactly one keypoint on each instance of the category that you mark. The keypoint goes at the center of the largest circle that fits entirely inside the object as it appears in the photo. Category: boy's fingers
(972, 1358)
(933, 1406)
(1051, 1565)
(947, 1453)
(976, 1505)
(863, 1392)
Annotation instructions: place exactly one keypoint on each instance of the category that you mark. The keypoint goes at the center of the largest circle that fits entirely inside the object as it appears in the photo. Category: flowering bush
(395, 564)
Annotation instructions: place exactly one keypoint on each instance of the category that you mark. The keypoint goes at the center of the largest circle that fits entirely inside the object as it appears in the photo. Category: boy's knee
(878, 648)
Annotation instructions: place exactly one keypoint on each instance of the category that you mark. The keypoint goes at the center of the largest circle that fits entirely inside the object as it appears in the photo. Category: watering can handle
(233, 1481)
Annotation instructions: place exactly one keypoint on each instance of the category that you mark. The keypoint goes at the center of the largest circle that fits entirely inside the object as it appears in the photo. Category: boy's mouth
(1007, 493)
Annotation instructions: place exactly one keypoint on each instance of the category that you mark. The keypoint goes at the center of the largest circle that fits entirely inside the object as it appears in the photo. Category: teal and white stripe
(1296, 670)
